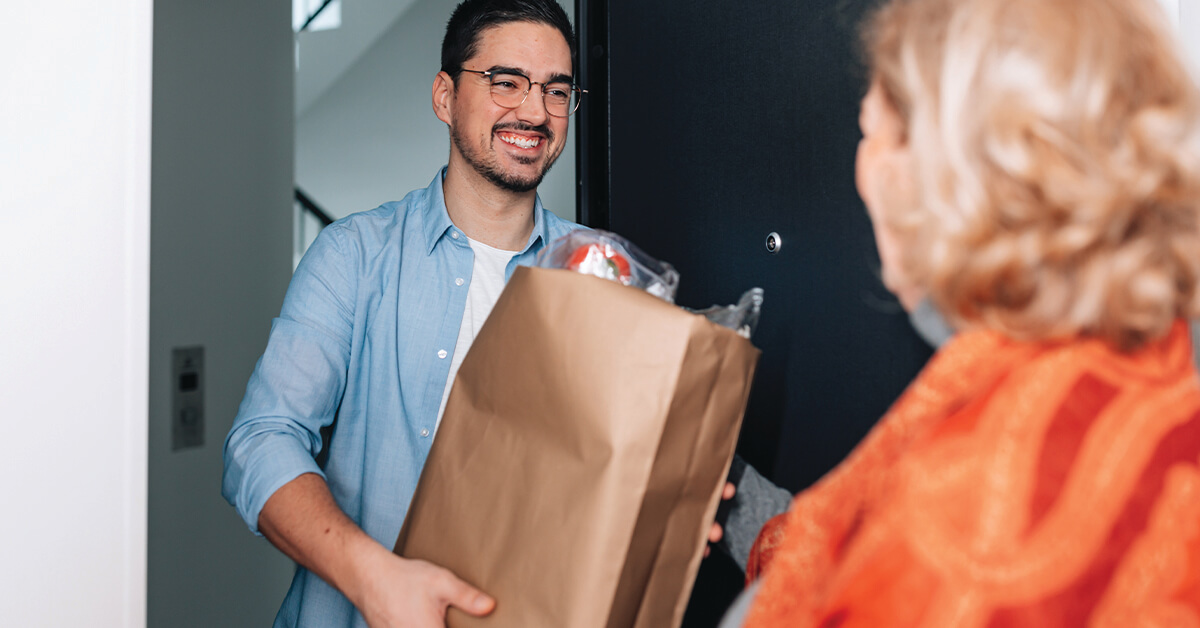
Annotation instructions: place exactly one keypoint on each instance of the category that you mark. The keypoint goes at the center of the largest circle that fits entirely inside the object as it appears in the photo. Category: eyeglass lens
(509, 90)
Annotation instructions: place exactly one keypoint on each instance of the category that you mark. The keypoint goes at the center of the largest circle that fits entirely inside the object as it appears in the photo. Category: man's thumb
(467, 598)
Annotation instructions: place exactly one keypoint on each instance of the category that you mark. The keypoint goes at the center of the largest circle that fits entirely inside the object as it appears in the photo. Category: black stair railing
(311, 207)
(314, 15)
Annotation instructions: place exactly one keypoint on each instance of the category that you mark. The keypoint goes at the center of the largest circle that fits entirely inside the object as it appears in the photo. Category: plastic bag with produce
(610, 256)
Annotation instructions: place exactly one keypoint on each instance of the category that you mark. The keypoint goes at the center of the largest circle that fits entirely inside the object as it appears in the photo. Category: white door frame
(74, 272)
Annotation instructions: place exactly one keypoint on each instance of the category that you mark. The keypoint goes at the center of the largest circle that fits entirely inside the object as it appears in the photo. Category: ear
(443, 97)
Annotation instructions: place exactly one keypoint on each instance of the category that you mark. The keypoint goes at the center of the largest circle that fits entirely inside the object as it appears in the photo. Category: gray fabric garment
(735, 617)
(756, 501)
(1195, 329)
(929, 324)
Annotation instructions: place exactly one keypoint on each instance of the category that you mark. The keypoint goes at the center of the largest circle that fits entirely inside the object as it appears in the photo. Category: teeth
(521, 141)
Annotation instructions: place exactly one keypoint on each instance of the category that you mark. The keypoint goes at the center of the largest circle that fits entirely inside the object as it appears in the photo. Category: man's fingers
(463, 596)
(716, 532)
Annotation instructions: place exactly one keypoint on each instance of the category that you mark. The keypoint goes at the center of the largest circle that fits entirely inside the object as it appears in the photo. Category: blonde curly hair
(1056, 157)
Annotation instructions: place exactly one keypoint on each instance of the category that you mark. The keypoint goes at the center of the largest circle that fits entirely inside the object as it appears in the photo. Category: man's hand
(303, 521)
(715, 533)
(403, 593)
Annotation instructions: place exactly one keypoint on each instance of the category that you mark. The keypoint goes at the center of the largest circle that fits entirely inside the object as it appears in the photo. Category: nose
(533, 109)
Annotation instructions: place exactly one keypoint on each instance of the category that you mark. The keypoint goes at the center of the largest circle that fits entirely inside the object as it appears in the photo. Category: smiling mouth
(519, 141)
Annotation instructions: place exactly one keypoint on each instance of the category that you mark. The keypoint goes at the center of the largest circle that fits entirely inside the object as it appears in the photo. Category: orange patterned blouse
(1013, 484)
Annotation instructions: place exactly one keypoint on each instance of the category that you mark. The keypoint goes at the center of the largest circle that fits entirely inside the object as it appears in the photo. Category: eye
(508, 83)
(558, 91)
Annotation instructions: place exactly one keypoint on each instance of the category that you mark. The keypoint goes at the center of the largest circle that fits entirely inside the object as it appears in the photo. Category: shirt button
(454, 234)
(425, 433)
(458, 282)
(442, 354)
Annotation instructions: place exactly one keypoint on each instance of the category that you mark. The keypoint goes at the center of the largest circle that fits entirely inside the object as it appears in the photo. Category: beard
(485, 164)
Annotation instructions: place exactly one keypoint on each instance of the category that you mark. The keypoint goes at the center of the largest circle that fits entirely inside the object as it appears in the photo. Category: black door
(709, 125)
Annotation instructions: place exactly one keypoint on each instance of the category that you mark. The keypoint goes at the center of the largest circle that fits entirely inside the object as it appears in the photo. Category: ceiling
(323, 56)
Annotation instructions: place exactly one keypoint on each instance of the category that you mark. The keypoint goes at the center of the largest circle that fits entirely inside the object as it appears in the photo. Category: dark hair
(472, 17)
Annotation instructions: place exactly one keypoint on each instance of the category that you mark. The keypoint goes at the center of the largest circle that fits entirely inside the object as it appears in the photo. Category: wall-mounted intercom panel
(187, 397)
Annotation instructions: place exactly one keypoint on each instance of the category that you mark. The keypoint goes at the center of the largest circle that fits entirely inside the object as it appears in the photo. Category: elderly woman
(1032, 167)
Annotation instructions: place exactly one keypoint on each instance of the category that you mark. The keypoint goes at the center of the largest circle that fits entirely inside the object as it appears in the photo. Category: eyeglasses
(509, 90)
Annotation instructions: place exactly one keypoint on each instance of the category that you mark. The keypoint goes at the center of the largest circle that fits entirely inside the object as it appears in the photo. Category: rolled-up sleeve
(298, 382)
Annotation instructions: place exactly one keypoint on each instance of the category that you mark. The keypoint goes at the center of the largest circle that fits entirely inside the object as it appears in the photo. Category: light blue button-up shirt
(366, 337)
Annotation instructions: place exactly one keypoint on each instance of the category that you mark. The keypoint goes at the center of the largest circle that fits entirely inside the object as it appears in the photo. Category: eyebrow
(557, 78)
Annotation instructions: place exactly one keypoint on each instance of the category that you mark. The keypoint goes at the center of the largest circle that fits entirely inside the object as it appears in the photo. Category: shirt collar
(537, 238)
(437, 219)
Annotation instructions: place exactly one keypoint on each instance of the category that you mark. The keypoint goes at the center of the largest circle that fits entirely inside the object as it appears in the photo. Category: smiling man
(379, 315)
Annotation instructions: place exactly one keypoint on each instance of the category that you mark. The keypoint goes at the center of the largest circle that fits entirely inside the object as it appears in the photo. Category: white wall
(372, 137)
(1189, 28)
(1186, 16)
(221, 260)
(74, 270)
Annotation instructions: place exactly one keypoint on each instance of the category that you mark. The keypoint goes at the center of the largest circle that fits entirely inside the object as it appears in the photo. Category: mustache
(521, 126)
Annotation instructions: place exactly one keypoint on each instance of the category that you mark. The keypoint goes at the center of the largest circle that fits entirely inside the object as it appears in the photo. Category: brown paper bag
(582, 454)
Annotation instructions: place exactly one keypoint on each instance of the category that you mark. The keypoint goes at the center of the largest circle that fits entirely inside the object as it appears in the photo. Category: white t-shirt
(487, 281)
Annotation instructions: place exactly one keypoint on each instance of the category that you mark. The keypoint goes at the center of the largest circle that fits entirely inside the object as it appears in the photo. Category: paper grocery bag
(582, 454)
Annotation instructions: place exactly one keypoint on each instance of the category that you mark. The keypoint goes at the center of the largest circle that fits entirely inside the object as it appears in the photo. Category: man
(377, 318)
